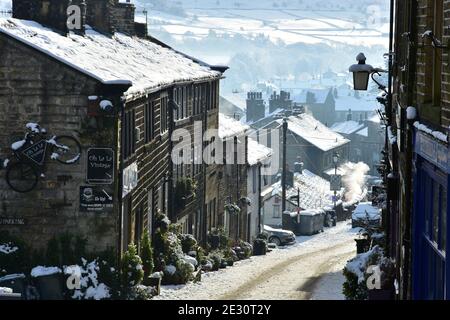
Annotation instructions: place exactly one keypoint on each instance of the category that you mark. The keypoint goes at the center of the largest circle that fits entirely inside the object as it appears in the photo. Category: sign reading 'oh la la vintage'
(100, 166)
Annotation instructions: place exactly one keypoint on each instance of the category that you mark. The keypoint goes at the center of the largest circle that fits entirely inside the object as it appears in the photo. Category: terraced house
(419, 154)
(120, 96)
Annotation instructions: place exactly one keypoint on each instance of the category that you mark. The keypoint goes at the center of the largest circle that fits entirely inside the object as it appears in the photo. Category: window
(436, 211)
(437, 54)
(149, 114)
(254, 178)
(150, 211)
(163, 110)
(128, 134)
(276, 211)
(443, 219)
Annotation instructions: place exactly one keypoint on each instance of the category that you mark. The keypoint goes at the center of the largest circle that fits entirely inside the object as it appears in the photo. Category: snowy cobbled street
(309, 270)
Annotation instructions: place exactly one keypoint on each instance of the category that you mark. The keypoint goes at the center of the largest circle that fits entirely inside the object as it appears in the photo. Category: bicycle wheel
(21, 177)
(67, 150)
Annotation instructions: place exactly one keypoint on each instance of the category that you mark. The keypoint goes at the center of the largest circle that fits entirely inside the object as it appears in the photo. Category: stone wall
(36, 88)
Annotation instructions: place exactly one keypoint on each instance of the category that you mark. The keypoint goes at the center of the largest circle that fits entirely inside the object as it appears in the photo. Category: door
(430, 276)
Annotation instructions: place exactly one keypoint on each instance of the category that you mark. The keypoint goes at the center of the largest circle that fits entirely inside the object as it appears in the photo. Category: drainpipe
(120, 177)
(204, 226)
(409, 155)
(170, 209)
(259, 198)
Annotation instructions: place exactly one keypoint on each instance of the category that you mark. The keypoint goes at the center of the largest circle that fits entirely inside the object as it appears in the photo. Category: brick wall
(35, 88)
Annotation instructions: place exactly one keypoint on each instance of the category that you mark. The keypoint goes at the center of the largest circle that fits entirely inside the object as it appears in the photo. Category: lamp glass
(361, 80)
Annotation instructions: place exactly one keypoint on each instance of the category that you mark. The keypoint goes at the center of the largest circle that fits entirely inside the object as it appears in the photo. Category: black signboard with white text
(100, 166)
(95, 199)
(36, 152)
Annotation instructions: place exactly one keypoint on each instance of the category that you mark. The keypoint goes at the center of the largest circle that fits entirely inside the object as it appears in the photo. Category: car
(279, 236)
(365, 214)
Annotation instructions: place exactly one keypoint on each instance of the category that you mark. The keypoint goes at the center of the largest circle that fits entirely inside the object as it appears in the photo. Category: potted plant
(185, 189)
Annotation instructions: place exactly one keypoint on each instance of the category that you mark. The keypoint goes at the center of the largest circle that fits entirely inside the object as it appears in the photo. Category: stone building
(232, 177)
(320, 103)
(366, 141)
(311, 143)
(196, 112)
(115, 94)
(418, 165)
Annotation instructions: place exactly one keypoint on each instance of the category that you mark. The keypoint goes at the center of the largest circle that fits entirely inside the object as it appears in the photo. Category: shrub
(15, 255)
(65, 249)
(162, 222)
(180, 273)
(91, 287)
(246, 249)
(188, 243)
(355, 272)
(218, 239)
(131, 267)
(216, 258)
(141, 292)
(147, 254)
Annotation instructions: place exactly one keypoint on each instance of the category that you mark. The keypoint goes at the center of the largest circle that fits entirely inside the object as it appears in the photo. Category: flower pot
(382, 294)
(14, 281)
(214, 241)
(361, 245)
(259, 248)
(50, 287)
(154, 282)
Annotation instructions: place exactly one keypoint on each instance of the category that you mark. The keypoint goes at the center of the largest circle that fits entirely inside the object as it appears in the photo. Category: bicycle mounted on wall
(26, 164)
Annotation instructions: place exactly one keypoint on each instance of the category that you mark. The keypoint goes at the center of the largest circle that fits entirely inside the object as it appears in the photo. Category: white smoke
(354, 181)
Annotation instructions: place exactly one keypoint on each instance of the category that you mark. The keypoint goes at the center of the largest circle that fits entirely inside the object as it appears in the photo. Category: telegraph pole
(283, 174)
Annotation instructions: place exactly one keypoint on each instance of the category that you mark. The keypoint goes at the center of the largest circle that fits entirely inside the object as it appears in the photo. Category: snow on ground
(276, 274)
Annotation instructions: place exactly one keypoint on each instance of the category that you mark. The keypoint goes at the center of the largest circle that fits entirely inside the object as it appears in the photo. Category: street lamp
(335, 161)
(361, 72)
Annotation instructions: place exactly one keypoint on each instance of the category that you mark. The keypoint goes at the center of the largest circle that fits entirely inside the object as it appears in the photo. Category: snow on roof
(312, 96)
(375, 119)
(314, 191)
(229, 127)
(345, 103)
(119, 59)
(257, 152)
(333, 171)
(313, 131)
(347, 127)
(237, 100)
(364, 132)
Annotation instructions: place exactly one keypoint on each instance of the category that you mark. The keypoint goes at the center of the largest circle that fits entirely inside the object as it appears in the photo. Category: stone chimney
(256, 109)
(349, 115)
(109, 16)
(50, 13)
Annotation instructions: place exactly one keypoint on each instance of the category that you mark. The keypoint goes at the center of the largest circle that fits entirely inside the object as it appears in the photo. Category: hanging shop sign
(36, 152)
(335, 182)
(9, 221)
(100, 166)
(95, 199)
(129, 179)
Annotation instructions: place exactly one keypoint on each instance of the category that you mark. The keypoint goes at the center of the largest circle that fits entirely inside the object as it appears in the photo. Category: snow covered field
(310, 269)
(287, 22)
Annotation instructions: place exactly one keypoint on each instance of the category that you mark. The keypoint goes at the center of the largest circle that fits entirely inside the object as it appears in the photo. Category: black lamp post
(335, 162)
(361, 72)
